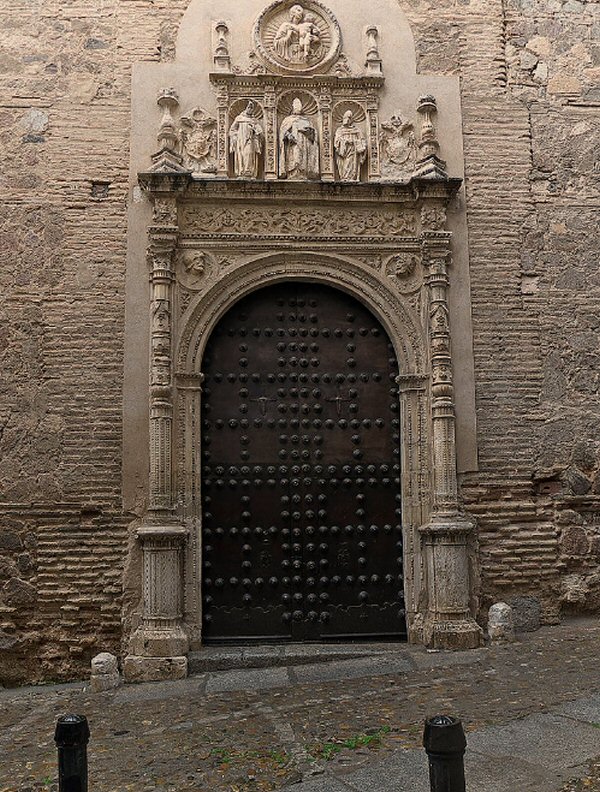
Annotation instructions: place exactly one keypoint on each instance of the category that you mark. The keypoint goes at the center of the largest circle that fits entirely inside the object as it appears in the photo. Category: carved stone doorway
(301, 517)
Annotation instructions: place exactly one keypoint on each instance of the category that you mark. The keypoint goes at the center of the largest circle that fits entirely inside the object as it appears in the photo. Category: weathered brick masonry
(530, 107)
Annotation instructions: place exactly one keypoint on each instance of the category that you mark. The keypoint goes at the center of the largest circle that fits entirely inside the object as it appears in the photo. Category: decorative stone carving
(429, 165)
(267, 223)
(167, 159)
(301, 38)
(192, 267)
(402, 265)
(350, 146)
(398, 149)
(373, 63)
(298, 146)
(246, 138)
(221, 58)
(199, 142)
(164, 212)
(161, 633)
(433, 217)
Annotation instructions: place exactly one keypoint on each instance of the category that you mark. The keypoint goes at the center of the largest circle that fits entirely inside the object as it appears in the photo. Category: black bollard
(445, 743)
(71, 737)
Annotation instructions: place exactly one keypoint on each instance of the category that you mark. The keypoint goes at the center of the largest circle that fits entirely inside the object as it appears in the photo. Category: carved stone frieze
(332, 223)
(302, 38)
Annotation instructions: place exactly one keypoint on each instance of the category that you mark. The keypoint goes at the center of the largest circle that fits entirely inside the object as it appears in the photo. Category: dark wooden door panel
(302, 536)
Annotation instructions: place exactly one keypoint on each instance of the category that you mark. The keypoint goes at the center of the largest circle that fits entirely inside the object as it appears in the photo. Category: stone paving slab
(587, 709)
(248, 679)
(547, 740)
(260, 730)
(219, 658)
(537, 753)
(353, 669)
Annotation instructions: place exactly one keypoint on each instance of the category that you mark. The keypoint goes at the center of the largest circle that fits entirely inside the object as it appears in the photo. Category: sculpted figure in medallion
(350, 149)
(298, 40)
(298, 146)
(246, 138)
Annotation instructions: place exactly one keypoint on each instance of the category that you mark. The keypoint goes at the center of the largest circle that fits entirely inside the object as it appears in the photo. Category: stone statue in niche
(350, 149)
(299, 40)
(398, 149)
(246, 138)
(298, 146)
(199, 142)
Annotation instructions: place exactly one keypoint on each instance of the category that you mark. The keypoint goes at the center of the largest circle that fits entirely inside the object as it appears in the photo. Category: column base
(137, 668)
(454, 635)
(170, 642)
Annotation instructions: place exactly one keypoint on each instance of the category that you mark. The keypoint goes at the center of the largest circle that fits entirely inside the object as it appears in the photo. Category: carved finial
(374, 63)
(221, 58)
(429, 165)
(167, 159)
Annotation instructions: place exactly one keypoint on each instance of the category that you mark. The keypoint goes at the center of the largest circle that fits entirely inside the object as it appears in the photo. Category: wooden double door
(301, 523)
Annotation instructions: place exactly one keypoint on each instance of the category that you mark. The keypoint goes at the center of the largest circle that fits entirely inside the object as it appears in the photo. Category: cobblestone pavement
(257, 730)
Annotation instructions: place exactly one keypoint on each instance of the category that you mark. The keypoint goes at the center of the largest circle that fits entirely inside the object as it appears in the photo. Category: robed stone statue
(246, 138)
(298, 146)
(350, 149)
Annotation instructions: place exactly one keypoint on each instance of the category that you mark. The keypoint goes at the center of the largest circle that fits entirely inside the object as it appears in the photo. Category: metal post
(445, 743)
(71, 737)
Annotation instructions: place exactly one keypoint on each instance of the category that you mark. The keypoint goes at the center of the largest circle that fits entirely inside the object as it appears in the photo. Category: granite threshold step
(228, 658)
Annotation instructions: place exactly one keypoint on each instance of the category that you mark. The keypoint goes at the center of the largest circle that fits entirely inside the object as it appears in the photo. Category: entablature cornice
(286, 82)
(291, 192)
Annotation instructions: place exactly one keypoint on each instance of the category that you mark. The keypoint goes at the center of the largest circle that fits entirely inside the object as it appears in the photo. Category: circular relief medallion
(297, 37)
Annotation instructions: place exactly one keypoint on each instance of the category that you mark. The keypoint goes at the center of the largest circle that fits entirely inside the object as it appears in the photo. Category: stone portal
(297, 170)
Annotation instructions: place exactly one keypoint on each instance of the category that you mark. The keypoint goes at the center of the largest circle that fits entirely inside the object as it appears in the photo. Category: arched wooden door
(301, 526)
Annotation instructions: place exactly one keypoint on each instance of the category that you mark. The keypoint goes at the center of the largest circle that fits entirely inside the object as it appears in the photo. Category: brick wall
(529, 75)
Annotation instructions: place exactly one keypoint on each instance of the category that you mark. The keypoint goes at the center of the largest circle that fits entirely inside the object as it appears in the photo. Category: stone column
(373, 136)
(271, 132)
(325, 107)
(449, 623)
(159, 646)
(222, 131)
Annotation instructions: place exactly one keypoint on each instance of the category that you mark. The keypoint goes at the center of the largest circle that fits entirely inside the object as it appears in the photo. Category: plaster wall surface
(529, 75)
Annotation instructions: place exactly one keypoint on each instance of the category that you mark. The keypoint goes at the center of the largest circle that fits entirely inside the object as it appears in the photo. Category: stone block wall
(529, 71)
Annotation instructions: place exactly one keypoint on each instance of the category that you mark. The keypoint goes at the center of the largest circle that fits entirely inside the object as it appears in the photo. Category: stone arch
(410, 346)
(333, 270)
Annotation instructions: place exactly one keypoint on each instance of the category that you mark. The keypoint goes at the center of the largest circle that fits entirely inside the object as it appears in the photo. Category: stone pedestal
(158, 648)
(449, 623)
